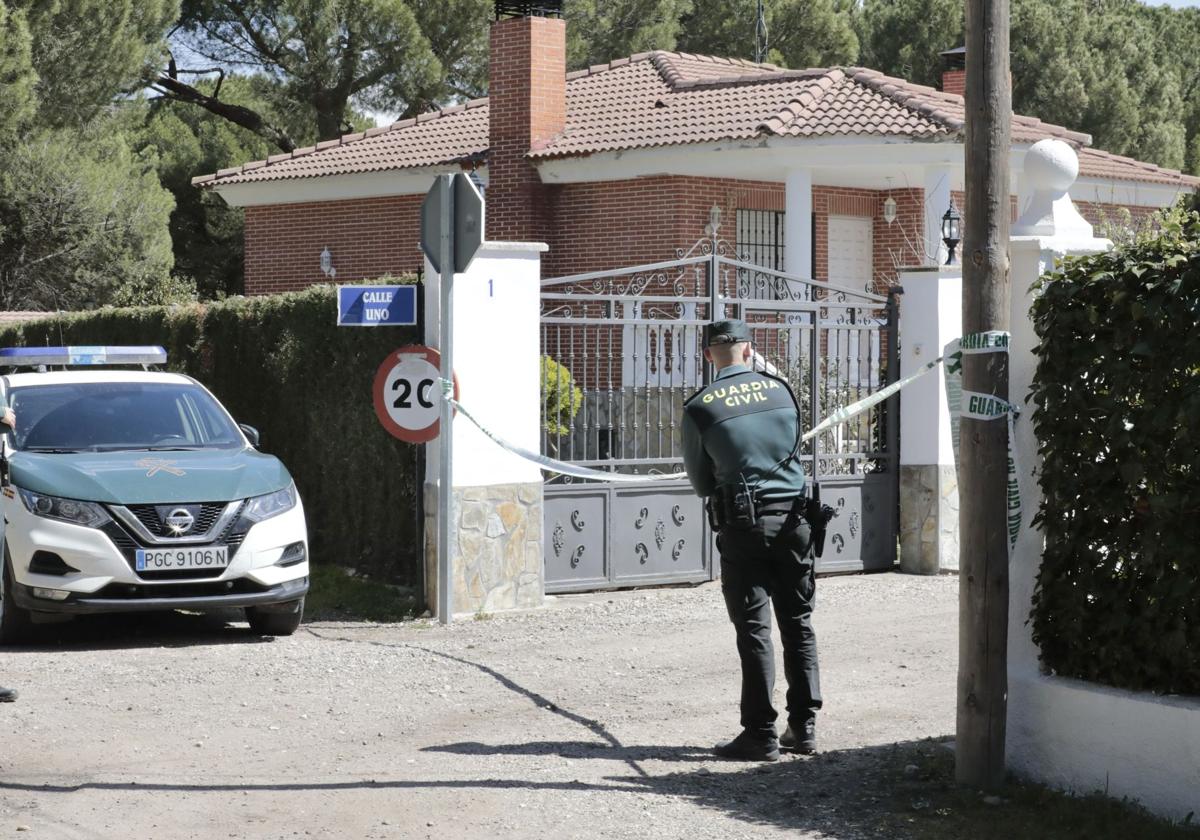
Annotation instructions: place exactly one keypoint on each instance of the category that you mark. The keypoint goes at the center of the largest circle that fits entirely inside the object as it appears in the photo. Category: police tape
(552, 464)
(972, 405)
(838, 416)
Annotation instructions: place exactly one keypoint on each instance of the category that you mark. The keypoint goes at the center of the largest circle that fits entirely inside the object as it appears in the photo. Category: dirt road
(591, 718)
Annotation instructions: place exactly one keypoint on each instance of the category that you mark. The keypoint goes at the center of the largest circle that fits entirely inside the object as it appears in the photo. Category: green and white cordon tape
(978, 407)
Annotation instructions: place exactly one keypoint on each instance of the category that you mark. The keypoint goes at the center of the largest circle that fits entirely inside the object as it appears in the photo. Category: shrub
(561, 398)
(1117, 392)
(281, 364)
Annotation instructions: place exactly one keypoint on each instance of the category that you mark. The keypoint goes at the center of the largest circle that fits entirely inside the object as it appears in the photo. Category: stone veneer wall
(498, 563)
(928, 518)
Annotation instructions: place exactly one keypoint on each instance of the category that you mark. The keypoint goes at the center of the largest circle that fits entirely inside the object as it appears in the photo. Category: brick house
(620, 164)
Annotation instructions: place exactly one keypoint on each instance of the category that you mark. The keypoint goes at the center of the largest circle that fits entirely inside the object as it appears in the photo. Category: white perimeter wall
(496, 361)
(1067, 733)
(930, 316)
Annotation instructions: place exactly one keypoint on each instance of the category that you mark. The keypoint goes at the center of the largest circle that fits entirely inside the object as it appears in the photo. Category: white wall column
(930, 317)
(497, 496)
(939, 181)
(797, 231)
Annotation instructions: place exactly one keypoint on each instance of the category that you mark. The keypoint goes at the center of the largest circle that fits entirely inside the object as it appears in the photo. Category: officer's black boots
(750, 746)
(803, 739)
(7, 695)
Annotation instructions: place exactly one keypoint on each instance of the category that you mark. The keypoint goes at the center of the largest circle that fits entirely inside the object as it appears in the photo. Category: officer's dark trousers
(771, 562)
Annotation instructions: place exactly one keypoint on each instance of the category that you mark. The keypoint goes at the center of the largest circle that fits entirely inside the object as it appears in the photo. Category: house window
(760, 238)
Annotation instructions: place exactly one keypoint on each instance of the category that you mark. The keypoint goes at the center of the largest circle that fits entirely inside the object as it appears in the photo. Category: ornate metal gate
(621, 352)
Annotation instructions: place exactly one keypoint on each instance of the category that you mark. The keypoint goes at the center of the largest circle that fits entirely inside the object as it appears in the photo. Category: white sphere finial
(1051, 168)
(1051, 165)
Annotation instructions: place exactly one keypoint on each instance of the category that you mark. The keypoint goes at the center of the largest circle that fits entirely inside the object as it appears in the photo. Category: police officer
(741, 442)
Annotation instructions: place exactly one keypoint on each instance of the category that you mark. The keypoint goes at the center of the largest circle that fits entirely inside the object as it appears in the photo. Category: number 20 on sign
(407, 395)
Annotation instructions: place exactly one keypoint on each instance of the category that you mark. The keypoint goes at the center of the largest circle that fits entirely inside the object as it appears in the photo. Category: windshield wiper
(53, 450)
(147, 448)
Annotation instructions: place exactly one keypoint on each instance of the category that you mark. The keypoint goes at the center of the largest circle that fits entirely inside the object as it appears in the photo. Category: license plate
(173, 559)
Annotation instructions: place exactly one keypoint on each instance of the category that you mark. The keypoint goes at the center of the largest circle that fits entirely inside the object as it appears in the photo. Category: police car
(126, 489)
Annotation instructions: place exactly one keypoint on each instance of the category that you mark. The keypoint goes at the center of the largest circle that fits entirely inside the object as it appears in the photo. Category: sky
(1178, 4)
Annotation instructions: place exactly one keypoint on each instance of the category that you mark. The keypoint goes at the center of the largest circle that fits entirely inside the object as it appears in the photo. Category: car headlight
(259, 508)
(88, 514)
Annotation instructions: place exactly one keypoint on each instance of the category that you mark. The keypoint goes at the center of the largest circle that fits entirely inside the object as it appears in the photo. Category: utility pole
(982, 472)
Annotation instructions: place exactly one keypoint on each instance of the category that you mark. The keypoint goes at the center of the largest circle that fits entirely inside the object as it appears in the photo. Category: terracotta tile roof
(1096, 163)
(445, 136)
(665, 99)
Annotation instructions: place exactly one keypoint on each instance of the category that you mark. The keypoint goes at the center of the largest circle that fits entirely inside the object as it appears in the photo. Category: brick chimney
(528, 108)
(954, 71)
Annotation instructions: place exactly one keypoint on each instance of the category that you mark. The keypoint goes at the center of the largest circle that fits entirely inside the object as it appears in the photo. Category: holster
(712, 507)
(732, 507)
(817, 516)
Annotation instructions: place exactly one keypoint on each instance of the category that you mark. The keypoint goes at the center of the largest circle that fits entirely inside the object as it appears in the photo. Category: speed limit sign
(407, 395)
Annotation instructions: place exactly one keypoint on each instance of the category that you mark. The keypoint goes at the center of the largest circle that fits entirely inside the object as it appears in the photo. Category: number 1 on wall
(491, 288)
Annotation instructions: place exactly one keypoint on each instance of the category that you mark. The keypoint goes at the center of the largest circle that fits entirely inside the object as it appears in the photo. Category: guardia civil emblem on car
(126, 488)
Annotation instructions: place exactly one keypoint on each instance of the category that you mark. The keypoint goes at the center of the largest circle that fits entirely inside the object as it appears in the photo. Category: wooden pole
(983, 574)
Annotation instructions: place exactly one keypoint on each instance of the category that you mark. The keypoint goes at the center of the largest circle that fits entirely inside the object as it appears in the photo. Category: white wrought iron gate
(622, 350)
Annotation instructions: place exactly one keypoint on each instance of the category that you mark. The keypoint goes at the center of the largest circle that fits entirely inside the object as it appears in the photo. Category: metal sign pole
(445, 606)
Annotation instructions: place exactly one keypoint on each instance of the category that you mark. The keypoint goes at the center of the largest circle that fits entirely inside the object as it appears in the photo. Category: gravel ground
(591, 718)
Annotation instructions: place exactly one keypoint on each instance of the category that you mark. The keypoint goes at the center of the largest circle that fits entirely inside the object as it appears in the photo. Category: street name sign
(377, 306)
(408, 400)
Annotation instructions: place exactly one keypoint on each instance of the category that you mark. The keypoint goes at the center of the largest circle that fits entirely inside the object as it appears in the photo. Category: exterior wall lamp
(327, 264)
(951, 231)
(889, 209)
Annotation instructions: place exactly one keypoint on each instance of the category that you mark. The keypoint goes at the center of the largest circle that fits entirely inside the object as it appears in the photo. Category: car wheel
(15, 623)
(277, 619)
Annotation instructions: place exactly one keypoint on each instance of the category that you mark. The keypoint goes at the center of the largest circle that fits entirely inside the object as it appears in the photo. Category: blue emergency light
(66, 356)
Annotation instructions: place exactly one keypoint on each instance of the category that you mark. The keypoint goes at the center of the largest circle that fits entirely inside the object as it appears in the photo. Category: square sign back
(377, 306)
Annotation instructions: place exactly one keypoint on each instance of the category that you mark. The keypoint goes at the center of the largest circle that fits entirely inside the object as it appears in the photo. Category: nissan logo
(179, 522)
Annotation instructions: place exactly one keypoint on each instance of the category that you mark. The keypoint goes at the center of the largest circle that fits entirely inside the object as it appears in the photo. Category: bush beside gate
(1117, 390)
(281, 364)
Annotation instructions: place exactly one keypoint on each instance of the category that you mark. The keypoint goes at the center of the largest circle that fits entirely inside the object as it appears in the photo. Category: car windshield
(112, 416)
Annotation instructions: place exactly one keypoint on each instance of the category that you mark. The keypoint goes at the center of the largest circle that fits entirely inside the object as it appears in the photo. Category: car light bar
(99, 355)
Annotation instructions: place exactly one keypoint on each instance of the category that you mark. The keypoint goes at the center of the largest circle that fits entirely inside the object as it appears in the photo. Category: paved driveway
(591, 718)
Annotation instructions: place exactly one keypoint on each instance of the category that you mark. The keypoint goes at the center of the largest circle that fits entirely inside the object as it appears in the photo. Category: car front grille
(207, 516)
(233, 535)
(133, 592)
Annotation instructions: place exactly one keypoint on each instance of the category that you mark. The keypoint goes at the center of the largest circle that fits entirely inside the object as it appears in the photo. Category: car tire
(277, 619)
(15, 623)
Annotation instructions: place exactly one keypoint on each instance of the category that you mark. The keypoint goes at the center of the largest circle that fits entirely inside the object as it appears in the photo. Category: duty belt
(780, 507)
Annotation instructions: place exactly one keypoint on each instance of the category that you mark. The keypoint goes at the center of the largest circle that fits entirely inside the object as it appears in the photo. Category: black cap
(730, 331)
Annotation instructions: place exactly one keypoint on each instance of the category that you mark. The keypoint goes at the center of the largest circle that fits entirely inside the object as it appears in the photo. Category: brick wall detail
(528, 95)
(367, 237)
(954, 81)
(592, 226)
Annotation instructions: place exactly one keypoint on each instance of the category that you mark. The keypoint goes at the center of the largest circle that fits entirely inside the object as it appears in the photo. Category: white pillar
(930, 317)
(797, 230)
(497, 496)
(938, 183)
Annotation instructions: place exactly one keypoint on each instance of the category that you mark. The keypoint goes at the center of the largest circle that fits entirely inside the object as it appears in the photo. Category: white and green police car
(126, 489)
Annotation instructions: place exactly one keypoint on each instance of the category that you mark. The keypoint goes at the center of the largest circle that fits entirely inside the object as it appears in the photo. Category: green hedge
(281, 364)
(1117, 394)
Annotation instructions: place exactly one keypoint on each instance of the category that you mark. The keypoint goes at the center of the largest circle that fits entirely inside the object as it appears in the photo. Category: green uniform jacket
(743, 425)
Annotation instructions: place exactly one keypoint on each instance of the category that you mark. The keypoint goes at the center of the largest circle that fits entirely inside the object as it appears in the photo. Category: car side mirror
(251, 433)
